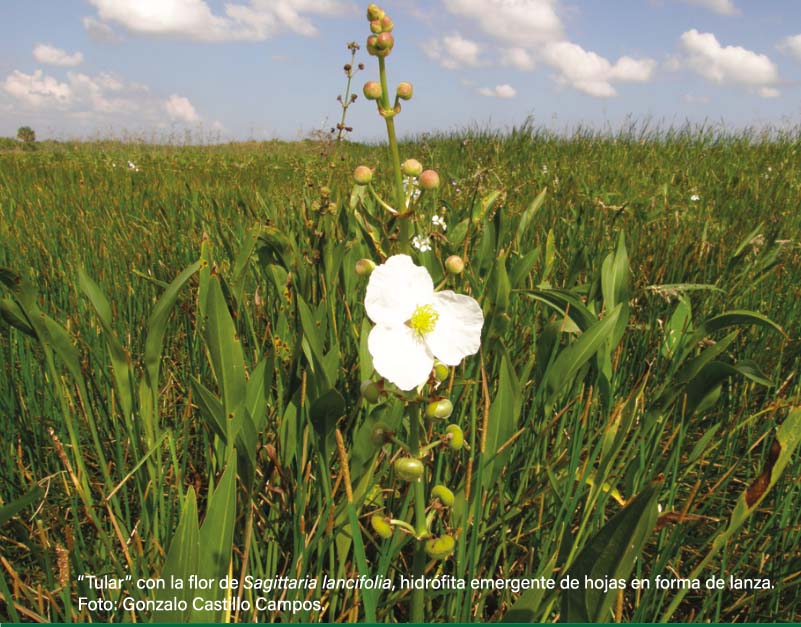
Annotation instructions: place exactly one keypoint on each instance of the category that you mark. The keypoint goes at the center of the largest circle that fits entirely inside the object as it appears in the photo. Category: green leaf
(216, 539)
(528, 216)
(211, 408)
(12, 314)
(610, 554)
(560, 375)
(182, 561)
(9, 510)
(225, 351)
(679, 325)
(157, 326)
(503, 419)
(323, 414)
(482, 208)
(258, 389)
(120, 360)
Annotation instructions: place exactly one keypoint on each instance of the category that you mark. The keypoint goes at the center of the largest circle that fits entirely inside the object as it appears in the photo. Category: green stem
(400, 201)
(417, 604)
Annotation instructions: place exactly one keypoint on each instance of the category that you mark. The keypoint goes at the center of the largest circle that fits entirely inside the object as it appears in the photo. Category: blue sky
(272, 68)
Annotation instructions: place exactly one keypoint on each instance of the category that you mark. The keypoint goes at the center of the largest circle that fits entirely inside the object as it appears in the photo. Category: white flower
(414, 324)
(440, 222)
(423, 244)
(545, 169)
(695, 198)
(133, 166)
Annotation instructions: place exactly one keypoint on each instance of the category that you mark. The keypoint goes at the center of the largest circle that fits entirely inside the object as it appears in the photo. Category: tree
(27, 136)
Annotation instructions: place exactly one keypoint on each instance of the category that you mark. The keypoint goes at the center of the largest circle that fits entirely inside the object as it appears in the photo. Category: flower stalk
(417, 605)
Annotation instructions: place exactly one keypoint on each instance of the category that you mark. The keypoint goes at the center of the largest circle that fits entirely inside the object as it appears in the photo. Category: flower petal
(458, 330)
(400, 356)
(396, 288)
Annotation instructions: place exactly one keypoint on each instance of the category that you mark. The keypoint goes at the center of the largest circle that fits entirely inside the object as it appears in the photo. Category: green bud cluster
(381, 41)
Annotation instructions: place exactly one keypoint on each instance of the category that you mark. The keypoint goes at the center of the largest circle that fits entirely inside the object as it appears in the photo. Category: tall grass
(101, 453)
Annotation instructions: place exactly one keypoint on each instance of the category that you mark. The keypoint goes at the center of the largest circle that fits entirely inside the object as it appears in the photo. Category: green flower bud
(385, 41)
(429, 179)
(375, 27)
(454, 264)
(364, 267)
(380, 434)
(404, 91)
(374, 12)
(440, 548)
(408, 468)
(441, 371)
(372, 42)
(411, 167)
(362, 175)
(386, 24)
(381, 526)
(444, 495)
(456, 439)
(441, 409)
(370, 391)
(372, 90)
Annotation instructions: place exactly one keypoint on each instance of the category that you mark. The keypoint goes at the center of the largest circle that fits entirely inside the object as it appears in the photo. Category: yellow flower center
(423, 320)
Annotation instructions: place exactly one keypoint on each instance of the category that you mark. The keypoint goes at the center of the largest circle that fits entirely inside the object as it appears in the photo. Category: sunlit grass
(71, 207)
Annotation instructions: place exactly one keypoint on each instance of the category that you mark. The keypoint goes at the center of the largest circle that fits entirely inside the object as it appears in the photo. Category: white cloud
(532, 30)
(791, 45)
(721, 7)
(522, 23)
(518, 58)
(769, 92)
(181, 110)
(38, 91)
(726, 64)
(453, 52)
(50, 55)
(591, 73)
(98, 31)
(499, 91)
(98, 99)
(194, 19)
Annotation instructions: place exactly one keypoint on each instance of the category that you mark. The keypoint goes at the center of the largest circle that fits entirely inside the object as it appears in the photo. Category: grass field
(609, 369)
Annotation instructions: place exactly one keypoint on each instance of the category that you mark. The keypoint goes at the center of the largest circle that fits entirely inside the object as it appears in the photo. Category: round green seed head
(375, 27)
(440, 548)
(429, 180)
(408, 468)
(365, 267)
(454, 264)
(404, 91)
(441, 409)
(362, 175)
(441, 371)
(411, 167)
(372, 90)
(386, 24)
(443, 494)
(456, 440)
(380, 434)
(370, 391)
(381, 526)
